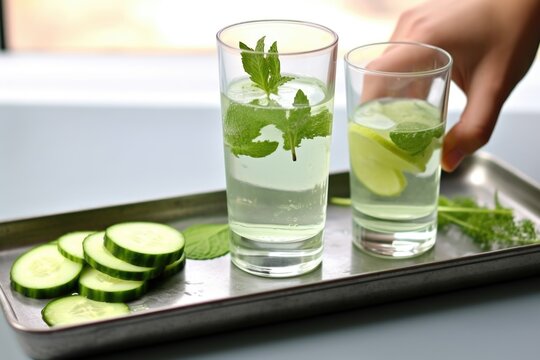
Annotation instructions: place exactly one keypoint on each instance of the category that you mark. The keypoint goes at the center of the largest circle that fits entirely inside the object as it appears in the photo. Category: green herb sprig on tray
(206, 241)
(490, 228)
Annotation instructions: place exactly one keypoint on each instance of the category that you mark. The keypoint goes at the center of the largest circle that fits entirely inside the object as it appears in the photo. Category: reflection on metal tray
(213, 295)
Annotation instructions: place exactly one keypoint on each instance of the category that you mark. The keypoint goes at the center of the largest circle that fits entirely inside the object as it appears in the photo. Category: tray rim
(486, 256)
(488, 157)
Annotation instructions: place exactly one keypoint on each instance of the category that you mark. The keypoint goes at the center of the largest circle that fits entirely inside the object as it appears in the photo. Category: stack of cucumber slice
(112, 266)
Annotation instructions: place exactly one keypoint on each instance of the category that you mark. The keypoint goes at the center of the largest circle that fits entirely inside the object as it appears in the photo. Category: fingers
(475, 125)
(383, 80)
(417, 24)
(483, 96)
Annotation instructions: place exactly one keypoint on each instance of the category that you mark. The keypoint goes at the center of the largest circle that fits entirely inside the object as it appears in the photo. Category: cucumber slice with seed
(144, 243)
(98, 286)
(101, 259)
(78, 309)
(43, 272)
(70, 245)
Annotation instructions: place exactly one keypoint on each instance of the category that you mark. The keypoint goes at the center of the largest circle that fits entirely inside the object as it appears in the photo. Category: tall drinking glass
(397, 96)
(277, 90)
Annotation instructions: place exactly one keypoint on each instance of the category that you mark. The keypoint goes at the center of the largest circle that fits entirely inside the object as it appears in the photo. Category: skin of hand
(493, 44)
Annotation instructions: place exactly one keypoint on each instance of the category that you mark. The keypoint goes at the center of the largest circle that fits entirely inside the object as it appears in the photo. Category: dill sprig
(490, 228)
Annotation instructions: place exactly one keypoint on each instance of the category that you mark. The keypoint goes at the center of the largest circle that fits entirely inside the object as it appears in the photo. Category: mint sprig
(243, 123)
(263, 70)
(302, 125)
(414, 137)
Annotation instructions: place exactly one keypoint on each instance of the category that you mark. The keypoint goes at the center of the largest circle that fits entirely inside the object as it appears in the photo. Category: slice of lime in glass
(378, 163)
(366, 144)
(380, 180)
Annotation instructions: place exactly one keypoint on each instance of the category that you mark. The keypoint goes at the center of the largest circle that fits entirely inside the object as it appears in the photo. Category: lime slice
(378, 163)
(380, 180)
(366, 144)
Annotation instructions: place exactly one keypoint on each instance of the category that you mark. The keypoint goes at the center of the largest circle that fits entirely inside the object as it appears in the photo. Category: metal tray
(212, 296)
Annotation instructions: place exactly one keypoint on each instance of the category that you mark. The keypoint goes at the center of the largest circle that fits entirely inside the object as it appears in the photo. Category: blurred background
(151, 52)
(156, 52)
(172, 26)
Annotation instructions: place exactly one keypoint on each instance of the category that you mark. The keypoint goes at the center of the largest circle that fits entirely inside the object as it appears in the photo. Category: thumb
(475, 125)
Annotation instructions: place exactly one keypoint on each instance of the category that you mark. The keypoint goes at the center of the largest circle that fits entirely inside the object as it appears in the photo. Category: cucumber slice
(98, 286)
(144, 243)
(78, 309)
(173, 268)
(101, 259)
(43, 272)
(70, 245)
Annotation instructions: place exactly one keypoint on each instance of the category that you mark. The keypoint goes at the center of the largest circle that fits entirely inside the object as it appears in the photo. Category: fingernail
(452, 159)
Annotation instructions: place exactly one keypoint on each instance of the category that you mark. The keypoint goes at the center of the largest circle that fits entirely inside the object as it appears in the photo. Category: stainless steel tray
(212, 296)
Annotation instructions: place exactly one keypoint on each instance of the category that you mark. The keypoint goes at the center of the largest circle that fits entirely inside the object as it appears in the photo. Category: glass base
(391, 239)
(276, 259)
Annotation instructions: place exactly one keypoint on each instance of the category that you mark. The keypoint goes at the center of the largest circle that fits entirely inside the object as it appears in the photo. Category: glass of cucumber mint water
(397, 96)
(277, 81)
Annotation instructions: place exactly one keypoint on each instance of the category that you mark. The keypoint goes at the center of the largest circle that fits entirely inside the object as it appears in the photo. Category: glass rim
(438, 70)
(294, 22)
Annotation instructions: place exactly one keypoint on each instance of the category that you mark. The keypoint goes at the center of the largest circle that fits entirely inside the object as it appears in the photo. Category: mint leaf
(206, 241)
(264, 71)
(243, 124)
(302, 125)
(300, 99)
(414, 137)
(275, 79)
(257, 149)
(255, 64)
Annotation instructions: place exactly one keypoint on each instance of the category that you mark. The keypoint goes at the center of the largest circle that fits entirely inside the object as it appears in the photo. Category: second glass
(397, 97)
(277, 83)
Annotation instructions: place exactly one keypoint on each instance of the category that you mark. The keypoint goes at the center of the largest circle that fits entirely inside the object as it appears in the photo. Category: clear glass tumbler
(277, 80)
(397, 96)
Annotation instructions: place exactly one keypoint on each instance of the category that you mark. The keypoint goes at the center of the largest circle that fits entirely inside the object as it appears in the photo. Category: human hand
(493, 43)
